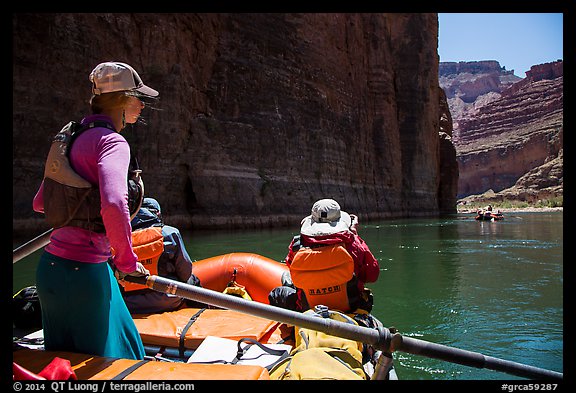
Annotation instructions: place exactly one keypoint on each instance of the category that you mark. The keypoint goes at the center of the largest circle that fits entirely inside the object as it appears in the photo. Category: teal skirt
(83, 309)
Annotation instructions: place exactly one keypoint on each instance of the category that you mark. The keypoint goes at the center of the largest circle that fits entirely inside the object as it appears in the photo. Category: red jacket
(366, 266)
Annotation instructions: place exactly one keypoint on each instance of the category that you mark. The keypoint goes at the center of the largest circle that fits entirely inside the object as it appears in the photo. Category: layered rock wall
(512, 135)
(469, 85)
(536, 73)
(259, 114)
(448, 173)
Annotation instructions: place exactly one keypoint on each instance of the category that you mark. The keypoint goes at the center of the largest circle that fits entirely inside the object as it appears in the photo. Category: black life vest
(69, 199)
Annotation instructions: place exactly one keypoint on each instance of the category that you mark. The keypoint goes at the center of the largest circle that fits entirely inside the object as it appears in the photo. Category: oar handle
(381, 339)
(29, 247)
(137, 279)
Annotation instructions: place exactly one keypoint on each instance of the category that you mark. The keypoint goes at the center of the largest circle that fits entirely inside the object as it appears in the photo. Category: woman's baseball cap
(115, 76)
(326, 218)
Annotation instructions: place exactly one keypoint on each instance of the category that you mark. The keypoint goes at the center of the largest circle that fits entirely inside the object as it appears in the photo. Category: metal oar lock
(384, 339)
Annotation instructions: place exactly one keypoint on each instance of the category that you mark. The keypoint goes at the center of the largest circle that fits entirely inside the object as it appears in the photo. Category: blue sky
(516, 40)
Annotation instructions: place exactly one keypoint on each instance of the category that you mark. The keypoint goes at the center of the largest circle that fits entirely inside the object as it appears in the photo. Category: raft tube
(28, 362)
(258, 274)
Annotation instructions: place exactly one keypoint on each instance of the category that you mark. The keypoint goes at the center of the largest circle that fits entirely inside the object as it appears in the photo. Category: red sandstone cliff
(515, 138)
(259, 115)
(470, 85)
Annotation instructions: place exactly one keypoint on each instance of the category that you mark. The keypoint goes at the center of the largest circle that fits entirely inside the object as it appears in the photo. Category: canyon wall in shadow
(259, 115)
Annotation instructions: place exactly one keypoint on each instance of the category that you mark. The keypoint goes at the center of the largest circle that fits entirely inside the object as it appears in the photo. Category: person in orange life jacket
(330, 231)
(171, 262)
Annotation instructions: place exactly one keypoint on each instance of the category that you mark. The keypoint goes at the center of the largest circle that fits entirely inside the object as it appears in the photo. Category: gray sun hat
(114, 76)
(327, 218)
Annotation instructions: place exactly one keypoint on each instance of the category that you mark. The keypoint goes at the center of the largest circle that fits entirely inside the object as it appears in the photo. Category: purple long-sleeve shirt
(101, 156)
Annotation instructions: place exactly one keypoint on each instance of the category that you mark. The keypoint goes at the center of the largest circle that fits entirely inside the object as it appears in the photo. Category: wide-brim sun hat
(114, 76)
(326, 218)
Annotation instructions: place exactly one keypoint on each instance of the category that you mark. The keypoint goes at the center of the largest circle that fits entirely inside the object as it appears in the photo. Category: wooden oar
(381, 339)
(29, 247)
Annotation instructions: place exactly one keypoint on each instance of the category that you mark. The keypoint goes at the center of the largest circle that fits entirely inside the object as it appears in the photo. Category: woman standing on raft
(82, 308)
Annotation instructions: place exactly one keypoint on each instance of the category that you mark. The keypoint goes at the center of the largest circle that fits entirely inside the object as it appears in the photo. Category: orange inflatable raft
(256, 273)
(98, 368)
(187, 328)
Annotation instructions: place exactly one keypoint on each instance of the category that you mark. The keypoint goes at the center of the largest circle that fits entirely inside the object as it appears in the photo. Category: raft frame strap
(130, 370)
(182, 339)
(281, 353)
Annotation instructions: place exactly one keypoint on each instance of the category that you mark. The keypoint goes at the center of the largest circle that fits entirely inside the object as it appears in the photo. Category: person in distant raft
(160, 248)
(87, 196)
(329, 264)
